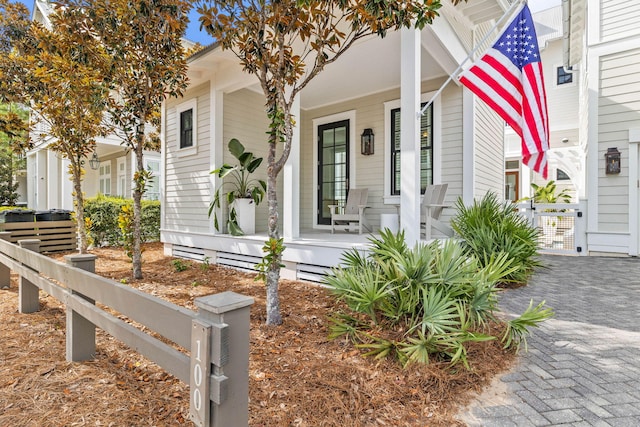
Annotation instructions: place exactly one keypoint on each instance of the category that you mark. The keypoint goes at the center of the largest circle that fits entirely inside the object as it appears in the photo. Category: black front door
(333, 167)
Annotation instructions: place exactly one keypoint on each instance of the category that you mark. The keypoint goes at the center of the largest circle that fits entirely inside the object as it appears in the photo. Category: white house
(602, 43)
(460, 141)
(567, 155)
(48, 183)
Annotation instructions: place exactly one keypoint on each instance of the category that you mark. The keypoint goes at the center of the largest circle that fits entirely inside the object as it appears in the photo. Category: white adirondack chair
(432, 206)
(353, 212)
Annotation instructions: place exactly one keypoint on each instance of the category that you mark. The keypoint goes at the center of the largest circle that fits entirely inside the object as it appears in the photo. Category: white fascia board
(444, 45)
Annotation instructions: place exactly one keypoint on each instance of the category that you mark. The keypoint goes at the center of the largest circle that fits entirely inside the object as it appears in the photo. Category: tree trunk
(79, 199)
(139, 186)
(273, 273)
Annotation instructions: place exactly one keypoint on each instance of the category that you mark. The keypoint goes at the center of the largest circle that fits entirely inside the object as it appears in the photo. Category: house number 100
(197, 379)
(199, 382)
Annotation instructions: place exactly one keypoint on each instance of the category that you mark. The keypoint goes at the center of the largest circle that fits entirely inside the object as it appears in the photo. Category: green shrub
(490, 227)
(423, 303)
(102, 213)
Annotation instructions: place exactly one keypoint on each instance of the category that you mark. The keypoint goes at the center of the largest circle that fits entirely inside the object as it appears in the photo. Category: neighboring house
(48, 184)
(459, 140)
(567, 154)
(603, 45)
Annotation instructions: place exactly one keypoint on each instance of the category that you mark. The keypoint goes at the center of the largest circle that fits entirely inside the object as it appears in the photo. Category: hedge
(101, 212)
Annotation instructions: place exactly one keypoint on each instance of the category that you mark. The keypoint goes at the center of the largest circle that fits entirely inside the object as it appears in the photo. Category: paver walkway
(583, 366)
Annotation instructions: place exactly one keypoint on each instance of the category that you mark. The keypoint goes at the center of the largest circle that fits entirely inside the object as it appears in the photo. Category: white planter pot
(246, 212)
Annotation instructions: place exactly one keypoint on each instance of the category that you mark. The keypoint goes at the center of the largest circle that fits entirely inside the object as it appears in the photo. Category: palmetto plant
(423, 303)
(490, 226)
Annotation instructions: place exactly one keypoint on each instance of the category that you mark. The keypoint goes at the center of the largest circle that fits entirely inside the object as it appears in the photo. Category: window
(561, 175)
(564, 75)
(105, 178)
(186, 129)
(122, 177)
(426, 150)
(153, 185)
(186, 120)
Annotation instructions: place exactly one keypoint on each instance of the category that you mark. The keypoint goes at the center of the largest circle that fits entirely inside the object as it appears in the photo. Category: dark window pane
(564, 76)
(426, 150)
(186, 128)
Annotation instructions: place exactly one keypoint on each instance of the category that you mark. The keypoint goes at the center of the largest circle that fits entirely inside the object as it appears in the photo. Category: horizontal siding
(370, 169)
(618, 110)
(489, 152)
(246, 120)
(186, 177)
(619, 18)
(561, 99)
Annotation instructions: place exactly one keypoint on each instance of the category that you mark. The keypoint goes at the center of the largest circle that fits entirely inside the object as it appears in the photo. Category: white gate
(562, 226)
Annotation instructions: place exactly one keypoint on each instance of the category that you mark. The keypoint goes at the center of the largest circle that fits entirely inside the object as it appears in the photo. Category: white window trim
(122, 190)
(437, 147)
(156, 159)
(104, 176)
(353, 142)
(187, 105)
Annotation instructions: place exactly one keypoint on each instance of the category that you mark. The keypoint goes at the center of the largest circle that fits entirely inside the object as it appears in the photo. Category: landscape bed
(297, 376)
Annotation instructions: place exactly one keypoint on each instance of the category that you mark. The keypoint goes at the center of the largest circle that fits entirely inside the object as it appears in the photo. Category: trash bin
(17, 215)
(53, 215)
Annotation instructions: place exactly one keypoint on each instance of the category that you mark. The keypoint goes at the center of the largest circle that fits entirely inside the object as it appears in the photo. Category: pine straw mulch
(297, 377)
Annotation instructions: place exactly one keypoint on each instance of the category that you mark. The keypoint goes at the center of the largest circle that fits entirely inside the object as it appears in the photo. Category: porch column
(216, 144)
(410, 135)
(66, 186)
(53, 185)
(468, 148)
(291, 189)
(42, 180)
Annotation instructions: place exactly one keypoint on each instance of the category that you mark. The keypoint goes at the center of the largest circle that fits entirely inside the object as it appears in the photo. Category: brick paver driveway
(583, 366)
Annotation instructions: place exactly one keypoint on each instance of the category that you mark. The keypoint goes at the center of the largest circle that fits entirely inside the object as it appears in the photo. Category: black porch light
(612, 161)
(95, 161)
(366, 142)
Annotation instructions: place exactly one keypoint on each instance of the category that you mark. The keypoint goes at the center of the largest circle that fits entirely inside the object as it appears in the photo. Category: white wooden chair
(432, 206)
(353, 212)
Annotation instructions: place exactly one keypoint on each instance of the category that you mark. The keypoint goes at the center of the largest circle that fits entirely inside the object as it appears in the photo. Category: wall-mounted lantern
(366, 142)
(95, 161)
(612, 161)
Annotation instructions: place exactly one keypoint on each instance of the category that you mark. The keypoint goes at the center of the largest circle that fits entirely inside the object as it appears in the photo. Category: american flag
(509, 79)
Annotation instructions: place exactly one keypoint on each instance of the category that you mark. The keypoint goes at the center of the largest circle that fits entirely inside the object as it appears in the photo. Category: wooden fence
(54, 236)
(217, 335)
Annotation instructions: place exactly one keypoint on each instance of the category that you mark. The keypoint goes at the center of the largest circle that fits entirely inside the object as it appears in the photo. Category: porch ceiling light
(95, 161)
(366, 142)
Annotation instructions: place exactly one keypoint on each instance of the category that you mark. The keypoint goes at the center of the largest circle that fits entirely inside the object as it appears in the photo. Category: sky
(194, 33)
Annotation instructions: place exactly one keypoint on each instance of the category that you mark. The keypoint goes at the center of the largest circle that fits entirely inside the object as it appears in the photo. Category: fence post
(28, 293)
(5, 272)
(81, 333)
(226, 316)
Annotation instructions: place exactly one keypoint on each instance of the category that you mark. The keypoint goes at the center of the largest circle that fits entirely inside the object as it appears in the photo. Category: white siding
(370, 169)
(618, 110)
(187, 177)
(489, 152)
(246, 120)
(619, 18)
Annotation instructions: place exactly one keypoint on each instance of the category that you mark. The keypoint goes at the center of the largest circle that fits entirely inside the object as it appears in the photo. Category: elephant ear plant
(239, 186)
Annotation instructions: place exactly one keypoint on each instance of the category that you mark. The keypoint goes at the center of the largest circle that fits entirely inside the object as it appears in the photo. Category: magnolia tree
(62, 73)
(143, 42)
(285, 44)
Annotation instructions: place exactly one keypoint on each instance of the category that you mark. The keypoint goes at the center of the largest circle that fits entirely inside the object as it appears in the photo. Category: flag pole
(508, 13)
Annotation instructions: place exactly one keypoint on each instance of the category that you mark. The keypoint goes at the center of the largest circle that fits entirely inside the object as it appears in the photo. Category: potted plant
(547, 194)
(242, 192)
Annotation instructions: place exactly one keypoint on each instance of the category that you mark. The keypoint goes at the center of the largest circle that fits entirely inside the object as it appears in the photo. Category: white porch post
(66, 187)
(291, 189)
(53, 184)
(216, 144)
(42, 184)
(468, 148)
(410, 135)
